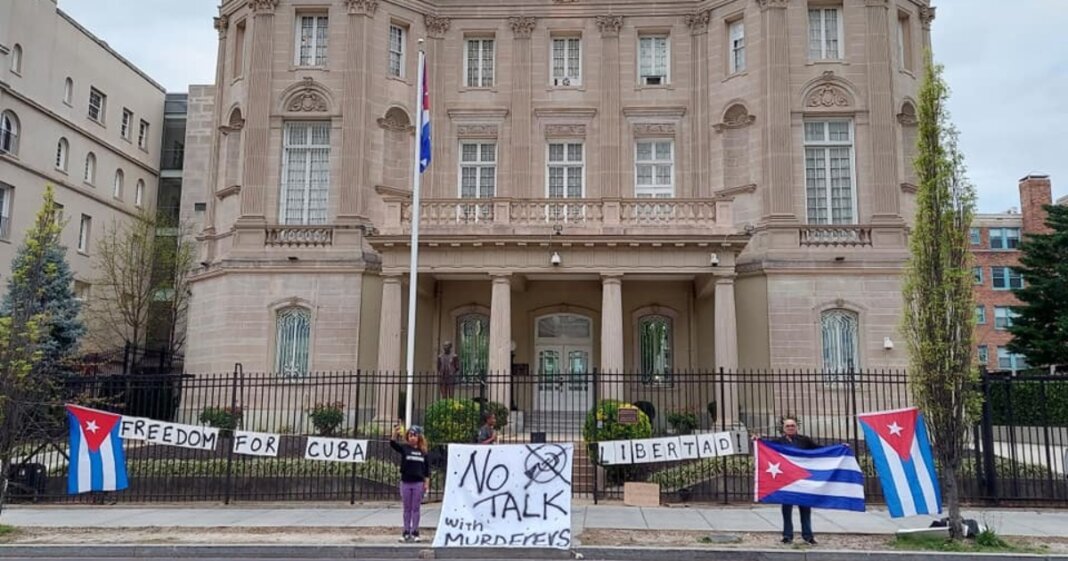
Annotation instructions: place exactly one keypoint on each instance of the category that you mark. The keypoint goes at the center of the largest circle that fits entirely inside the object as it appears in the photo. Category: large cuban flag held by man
(97, 462)
(898, 443)
(827, 477)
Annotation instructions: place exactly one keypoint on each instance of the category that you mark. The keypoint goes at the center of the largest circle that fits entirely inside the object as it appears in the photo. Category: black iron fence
(1016, 455)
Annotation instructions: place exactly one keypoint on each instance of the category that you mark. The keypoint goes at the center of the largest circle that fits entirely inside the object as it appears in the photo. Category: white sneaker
(416, 538)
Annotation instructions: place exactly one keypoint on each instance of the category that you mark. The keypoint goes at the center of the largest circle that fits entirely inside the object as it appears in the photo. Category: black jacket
(799, 441)
(415, 467)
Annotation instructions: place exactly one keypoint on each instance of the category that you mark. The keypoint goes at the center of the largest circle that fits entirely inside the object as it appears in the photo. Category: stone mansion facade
(625, 186)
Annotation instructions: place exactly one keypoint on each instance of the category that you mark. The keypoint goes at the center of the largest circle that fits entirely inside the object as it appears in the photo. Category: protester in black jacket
(791, 438)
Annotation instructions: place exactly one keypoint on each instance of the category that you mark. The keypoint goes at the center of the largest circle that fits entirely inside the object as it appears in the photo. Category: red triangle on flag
(774, 471)
(896, 428)
(96, 425)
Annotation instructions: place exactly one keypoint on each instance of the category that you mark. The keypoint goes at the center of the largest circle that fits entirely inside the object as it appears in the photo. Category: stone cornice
(265, 7)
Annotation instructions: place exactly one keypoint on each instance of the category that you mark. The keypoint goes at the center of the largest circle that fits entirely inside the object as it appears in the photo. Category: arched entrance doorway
(563, 347)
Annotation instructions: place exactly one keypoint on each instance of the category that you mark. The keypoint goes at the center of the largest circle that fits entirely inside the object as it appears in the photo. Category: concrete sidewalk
(1031, 523)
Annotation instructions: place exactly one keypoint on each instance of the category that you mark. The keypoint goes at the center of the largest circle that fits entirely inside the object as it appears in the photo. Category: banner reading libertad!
(507, 496)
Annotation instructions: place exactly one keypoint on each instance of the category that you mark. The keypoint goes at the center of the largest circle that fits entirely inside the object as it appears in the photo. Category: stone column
(611, 113)
(389, 376)
(258, 116)
(611, 337)
(886, 191)
(702, 136)
(354, 106)
(435, 185)
(500, 342)
(778, 164)
(222, 24)
(726, 343)
(522, 110)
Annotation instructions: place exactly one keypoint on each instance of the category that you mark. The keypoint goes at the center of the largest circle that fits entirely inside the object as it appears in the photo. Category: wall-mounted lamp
(555, 259)
(713, 260)
(888, 344)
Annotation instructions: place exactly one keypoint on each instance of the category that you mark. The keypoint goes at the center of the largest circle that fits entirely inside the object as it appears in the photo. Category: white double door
(563, 350)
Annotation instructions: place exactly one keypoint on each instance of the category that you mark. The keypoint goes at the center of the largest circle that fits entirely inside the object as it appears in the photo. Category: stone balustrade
(291, 236)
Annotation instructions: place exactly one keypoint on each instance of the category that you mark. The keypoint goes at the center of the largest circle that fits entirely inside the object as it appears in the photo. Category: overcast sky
(1008, 69)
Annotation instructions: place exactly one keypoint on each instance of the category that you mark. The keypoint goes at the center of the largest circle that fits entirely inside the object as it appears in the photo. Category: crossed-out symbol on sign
(545, 464)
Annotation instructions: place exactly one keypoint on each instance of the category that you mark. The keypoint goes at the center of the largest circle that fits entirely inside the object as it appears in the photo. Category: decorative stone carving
(436, 26)
(565, 130)
(476, 131)
(767, 4)
(522, 26)
(907, 116)
(262, 6)
(698, 22)
(654, 129)
(361, 7)
(307, 101)
(391, 124)
(827, 96)
(609, 26)
(564, 1)
(927, 15)
(736, 117)
(221, 24)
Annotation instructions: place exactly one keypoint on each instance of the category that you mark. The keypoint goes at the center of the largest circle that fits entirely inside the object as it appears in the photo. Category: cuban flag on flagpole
(899, 446)
(827, 477)
(424, 115)
(97, 461)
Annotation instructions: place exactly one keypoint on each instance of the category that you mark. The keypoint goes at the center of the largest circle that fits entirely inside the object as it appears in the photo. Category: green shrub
(684, 422)
(1027, 403)
(452, 420)
(602, 424)
(327, 417)
(223, 418)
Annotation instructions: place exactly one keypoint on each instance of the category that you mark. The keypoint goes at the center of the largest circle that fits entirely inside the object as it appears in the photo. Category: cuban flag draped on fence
(97, 462)
(898, 443)
(827, 477)
(424, 115)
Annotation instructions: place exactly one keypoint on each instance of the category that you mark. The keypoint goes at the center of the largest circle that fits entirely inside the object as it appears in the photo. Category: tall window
(1010, 361)
(654, 347)
(974, 236)
(840, 346)
(567, 61)
(654, 168)
(139, 193)
(127, 123)
(90, 168)
(306, 173)
(62, 154)
(829, 172)
(68, 91)
(5, 211)
(653, 57)
(117, 186)
(311, 40)
(565, 170)
(977, 273)
(904, 40)
(293, 338)
(980, 315)
(142, 135)
(84, 229)
(824, 32)
(1003, 316)
(478, 64)
(1004, 238)
(1006, 278)
(16, 59)
(478, 178)
(983, 355)
(397, 35)
(9, 133)
(239, 48)
(737, 46)
(472, 346)
(97, 105)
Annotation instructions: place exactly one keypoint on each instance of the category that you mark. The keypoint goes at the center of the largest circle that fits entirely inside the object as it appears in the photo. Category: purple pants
(411, 498)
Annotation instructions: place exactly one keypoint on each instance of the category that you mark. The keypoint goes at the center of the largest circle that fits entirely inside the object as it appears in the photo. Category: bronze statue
(448, 369)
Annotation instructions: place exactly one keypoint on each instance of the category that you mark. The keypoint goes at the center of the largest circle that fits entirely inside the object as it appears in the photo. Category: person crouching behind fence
(488, 433)
(415, 476)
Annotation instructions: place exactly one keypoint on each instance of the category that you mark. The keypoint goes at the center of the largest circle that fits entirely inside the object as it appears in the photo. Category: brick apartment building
(995, 240)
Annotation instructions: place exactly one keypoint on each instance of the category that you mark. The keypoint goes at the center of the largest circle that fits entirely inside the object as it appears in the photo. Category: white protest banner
(255, 443)
(170, 434)
(335, 449)
(507, 496)
(671, 449)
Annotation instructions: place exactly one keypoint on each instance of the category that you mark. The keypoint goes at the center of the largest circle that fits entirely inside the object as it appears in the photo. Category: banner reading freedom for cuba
(507, 496)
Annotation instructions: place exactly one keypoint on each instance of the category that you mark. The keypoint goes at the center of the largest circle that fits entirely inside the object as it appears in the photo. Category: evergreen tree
(1040, 333)
(939, 309)
(48, 292)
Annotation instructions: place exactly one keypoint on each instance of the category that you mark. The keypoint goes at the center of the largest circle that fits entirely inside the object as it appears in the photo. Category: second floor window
(305, 173)
(737, 46)
(1010, 361)
(1003, 316)
(565, 170)
(974, 236)
(142, 135)
(1005, 278)
(97, 105)
(980, 315)
(127, 120)
(478, 170)
(983, 355)
(567, 61)
(1004, 238)
(977, 273)
(9, 133)
(396, 51)
(311, 40)
(478, 63)
(62, 154)
(5, 212)
(653, 60)
(824, 33)
(829, 172)
(654, 169)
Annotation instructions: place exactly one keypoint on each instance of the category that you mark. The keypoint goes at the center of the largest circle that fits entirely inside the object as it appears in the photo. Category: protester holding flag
(793, 439)
(415, 475)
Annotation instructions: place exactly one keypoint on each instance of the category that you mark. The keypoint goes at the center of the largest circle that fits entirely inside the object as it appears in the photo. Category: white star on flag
(774, 470)
(895, 429)
(91, 427)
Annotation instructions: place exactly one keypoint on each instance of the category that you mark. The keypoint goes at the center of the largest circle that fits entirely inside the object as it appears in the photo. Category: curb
(415, 552)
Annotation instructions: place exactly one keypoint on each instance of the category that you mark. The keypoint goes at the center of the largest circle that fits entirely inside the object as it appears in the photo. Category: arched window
(655, 334)
(68, 91)
(16, 59)
(840, 347)
(9, 133)
(117, 187)
(293, 337)
(472, 345)
(62, 154)
(90, 168)
(139, 194)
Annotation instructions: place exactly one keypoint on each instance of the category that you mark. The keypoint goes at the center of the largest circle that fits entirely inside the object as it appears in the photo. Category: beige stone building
(623, 186)
(75, 114)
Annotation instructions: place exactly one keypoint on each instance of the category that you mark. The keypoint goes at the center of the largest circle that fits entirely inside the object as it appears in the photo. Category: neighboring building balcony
(532, 217)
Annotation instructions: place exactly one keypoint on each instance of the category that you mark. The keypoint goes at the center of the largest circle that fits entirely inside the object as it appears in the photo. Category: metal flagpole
(413, 270)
